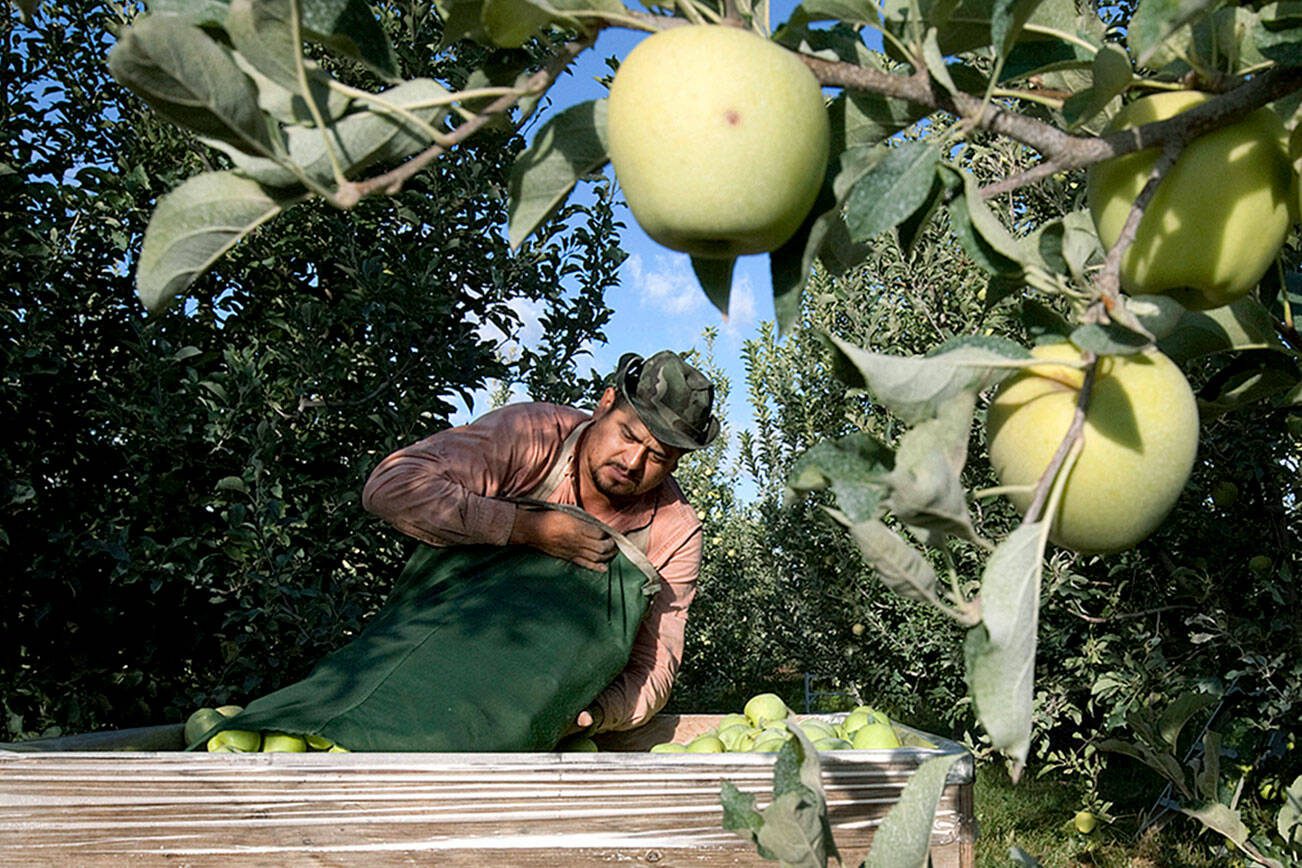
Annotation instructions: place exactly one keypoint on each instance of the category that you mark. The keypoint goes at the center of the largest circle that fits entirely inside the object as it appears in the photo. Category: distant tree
(180, 515)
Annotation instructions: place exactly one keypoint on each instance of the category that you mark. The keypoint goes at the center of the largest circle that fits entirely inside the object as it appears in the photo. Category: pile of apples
(248, 741)
(766, 723)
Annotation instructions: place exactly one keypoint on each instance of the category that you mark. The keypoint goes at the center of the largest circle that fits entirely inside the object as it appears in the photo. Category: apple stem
(1074, 433)
(1108, 282)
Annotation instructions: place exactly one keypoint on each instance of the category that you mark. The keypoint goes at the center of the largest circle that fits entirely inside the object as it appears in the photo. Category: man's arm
(642, 689)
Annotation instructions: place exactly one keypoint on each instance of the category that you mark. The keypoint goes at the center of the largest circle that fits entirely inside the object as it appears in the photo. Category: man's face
(620, 457)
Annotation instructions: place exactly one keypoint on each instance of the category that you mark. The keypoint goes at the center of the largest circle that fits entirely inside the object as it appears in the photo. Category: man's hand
(563, 536)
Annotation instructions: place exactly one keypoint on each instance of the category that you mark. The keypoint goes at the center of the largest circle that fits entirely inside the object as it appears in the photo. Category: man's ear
(607, 401)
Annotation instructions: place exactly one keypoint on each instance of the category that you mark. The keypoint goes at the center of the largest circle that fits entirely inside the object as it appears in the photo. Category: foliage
(181, 492)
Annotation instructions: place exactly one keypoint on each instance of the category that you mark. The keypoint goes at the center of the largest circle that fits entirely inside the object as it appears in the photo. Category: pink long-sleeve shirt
(444, 490)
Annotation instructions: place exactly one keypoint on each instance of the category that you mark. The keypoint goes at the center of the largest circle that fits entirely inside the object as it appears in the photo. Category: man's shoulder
(674, 502)
(536, 416)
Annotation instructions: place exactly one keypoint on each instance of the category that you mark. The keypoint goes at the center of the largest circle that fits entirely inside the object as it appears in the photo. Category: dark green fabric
(479, 648)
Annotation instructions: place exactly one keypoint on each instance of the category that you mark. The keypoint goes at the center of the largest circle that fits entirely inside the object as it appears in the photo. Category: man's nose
(636, 458)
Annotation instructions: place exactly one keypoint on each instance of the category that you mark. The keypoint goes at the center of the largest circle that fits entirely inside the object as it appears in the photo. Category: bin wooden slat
(89, 808)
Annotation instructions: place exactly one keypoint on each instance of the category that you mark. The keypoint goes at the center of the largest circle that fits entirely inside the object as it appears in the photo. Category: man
(454, 488)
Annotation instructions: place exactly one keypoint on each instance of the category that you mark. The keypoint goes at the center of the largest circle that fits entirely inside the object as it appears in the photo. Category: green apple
(1140, 440)
(283, 742)
(1085, 822)
(815, 729)
(319, 742)
(229, 710)
(874, 716)
(1260, 564)
(719, 139)
(853, 721)
(235, 741)
(581, 744)
(1225, 494)
(764, 708)
(200, 722)
(338, 748)
(736, 735)
(1219, 215)
(875, 736)
(669, 747)
(832, 743)
(733, 718)
(706, 744)
(769, 744)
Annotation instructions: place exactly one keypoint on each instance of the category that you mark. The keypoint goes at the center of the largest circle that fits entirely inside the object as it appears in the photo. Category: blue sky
(659, 304)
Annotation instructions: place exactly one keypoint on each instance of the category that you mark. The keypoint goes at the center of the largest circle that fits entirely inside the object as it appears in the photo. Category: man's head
(656, 409)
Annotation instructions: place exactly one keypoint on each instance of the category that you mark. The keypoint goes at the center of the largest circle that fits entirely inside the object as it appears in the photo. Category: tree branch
(1074, 433)
(1060, 150)
(391, 182)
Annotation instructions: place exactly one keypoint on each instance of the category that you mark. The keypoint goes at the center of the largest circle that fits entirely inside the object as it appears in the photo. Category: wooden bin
(131, 795)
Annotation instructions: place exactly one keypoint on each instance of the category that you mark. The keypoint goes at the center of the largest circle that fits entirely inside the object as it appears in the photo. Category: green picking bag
(479, 648)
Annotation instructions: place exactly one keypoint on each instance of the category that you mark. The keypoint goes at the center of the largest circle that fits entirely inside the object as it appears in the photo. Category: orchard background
(188, 424)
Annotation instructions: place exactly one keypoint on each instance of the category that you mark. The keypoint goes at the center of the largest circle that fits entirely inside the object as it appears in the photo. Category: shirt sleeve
(642, 689)
(443, 490)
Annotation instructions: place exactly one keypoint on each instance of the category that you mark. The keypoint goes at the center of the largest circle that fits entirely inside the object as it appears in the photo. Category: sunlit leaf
(1112, 76)
(1289, 820)
(192, 227)
(927, 491)
(899, 565)
(892, 189)
(1000, 651)
(349, 27)
(1242, 325)
(984, 238)
(1155, 21)
(570, 146)
(904, 836)
(915, 387)
(855, 468)
(187, 77)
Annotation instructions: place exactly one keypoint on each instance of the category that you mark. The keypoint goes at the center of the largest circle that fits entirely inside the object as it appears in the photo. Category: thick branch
(1059, 149)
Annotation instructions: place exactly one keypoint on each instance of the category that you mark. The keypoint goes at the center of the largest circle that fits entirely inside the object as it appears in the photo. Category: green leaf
(201, 13)
(860, 118)
(909, 230)
(570, 146)
(1112, 76)
(1177, 714)
(262, 32)
(1208, 778)
(904, 836)
(855, 467)
(1242, 325)
(892, 189)
(1277, 32)
(739, 814)
(715, 277)
(1289, 820)
(1220, 818)
(1155, 21)
(1254, 375)
(1111, 339)
(349, 27)
(1158, 314)
(1007, 20)
(927, 492)
(195, 224)
(232, 483)
(1163, 763)
(793, 830)
(1042, 321)
(512, 23)
(790, 264)
(984, 238)
(849, 11)
(187, 77)
(935, 62)
(1000, 651)
(899, 565)
(915, 387)
(388, 132)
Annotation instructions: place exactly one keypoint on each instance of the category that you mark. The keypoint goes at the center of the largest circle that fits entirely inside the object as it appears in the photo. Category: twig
(1095, 619)
(392, 181)
(1108, 282)
(1074, 433)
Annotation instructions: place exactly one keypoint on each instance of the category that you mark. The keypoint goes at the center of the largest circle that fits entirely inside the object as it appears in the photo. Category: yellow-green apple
(1139, 442)
(1085, 822)
(831, 743)
(719, 138)
(319, 742)
(669, 747)
(235, 741)
(283, 742)
(338, 748)
(200, 722)
(875, 736)
(706, 744)
(765, 708)
(1219, 215)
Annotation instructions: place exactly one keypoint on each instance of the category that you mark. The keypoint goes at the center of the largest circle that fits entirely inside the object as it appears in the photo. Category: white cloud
(668, 285)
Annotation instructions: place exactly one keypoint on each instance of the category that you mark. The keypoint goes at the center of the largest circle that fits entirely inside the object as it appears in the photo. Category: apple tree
(1179, 115)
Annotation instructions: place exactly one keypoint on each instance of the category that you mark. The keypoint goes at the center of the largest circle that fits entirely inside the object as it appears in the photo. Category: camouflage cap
(673, 399)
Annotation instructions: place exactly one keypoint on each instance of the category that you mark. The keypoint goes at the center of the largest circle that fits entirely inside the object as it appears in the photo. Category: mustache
(626, 471)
